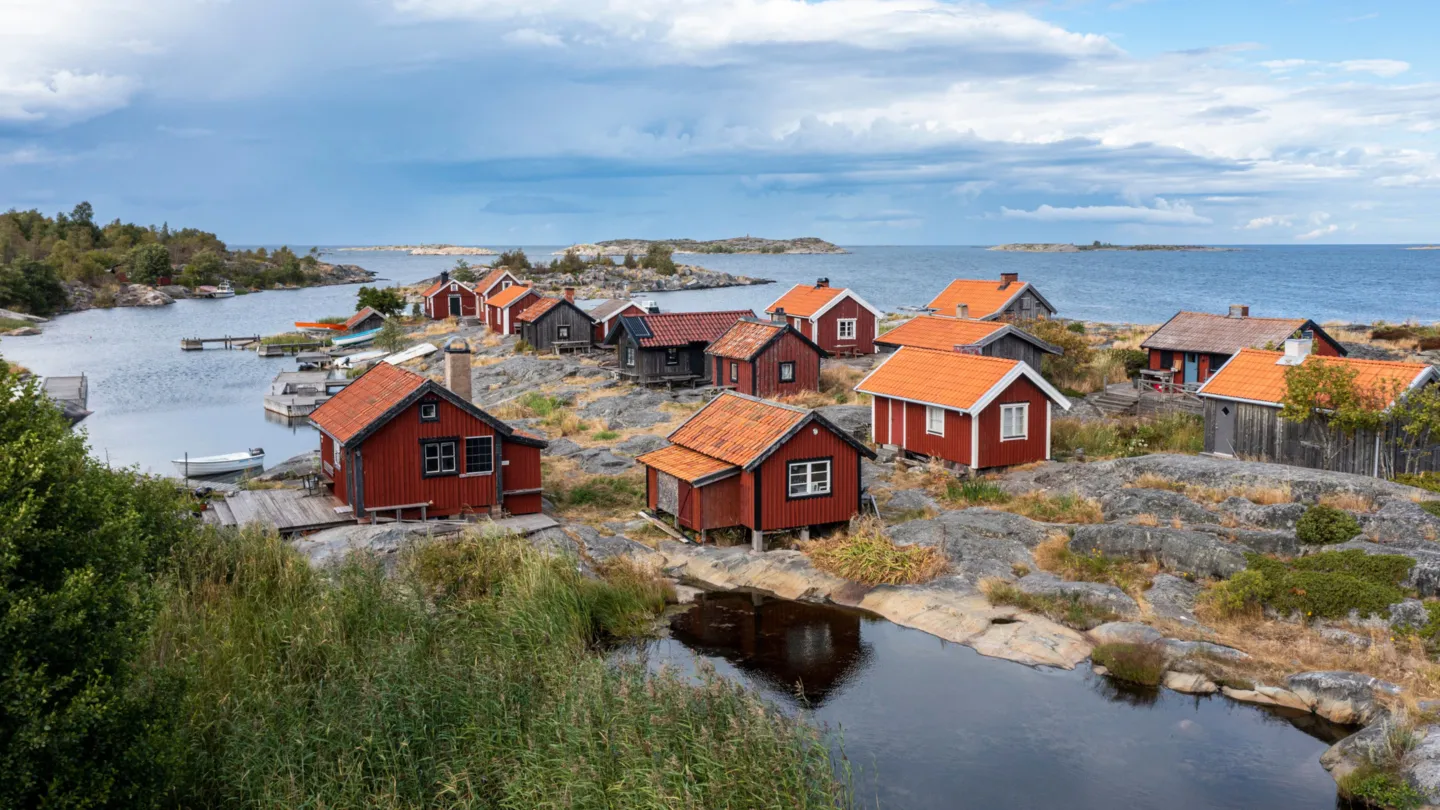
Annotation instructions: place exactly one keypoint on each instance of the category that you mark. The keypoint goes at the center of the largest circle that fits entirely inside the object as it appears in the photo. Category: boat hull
(200, 467)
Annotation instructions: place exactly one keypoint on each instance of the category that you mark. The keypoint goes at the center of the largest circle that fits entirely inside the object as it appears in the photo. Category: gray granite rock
(635, 409)
(972, 557)
(1173, 598)
(1267, 516)
(1159, 503)
(997, 525)
(562, 448)
(870, 473)
(1265, 542)
(908, 500)
(1100, 595)
(641, 444)
(1422, 766)
(1342, 697)
(1343, 637)
(1197, 553)
(294, 467)
(1409, 615)
(1175, 650)
(600, 461)
(1400, 519)
(853, 419)
(1125, 633)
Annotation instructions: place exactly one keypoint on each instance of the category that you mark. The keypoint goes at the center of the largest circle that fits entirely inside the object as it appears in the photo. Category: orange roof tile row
(491, 279)
(363, 401)
(684, 463)
(737, 429)
(984, 298)
(804, 300)
(535, 310)
(508, 296)
(939, 333)
(1256, 375)
(743, 340)
(948, 379)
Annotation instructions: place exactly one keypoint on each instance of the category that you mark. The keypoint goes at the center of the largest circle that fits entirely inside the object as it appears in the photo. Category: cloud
(892, 218)
(1282, 65)
(1163, 213)
(525, 205)
(1379, 67)
(1318, 232)
(1269, 221)
(62, 96)
(531, 36)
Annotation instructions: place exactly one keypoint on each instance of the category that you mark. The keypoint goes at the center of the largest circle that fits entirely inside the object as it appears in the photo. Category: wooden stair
(1116, 401)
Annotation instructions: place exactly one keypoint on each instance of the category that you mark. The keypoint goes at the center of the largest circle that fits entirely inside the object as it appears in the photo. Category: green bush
(1324, 525)
(1433, 507)
(1380, 789)
(1429, 481)
(1244, 592)
(1137, 663)
(1326, 585)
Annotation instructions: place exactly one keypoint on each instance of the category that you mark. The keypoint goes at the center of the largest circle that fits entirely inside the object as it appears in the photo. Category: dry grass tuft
(866, 555)
(1145, 519)
(1056, 556)
(1349, 501)
(1154, 481)
(1264, 496)
(1065, 507)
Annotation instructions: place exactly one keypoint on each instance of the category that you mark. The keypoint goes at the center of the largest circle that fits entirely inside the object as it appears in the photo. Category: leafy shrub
(513, 259)
(1326, 585)
(1380, 789)
(1134, 360)
(1427, 481)
(1069, 609)
(1137, 663)
(1324, 525)
(1245, 593)
(1078, 327)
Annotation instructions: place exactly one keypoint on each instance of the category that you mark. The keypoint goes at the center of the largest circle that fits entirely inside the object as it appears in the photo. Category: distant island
(430, 250)
(738, 244)
(1059, 247)
(1424, 247)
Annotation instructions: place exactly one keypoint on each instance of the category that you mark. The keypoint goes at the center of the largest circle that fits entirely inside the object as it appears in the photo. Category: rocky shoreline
(1066, 247)
(427, 250)
(741, 244)
(81, 296)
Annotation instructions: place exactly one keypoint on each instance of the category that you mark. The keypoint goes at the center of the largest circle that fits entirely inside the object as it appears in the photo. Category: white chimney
(962, 310)
(1239, 311)
(457, 368)
(1296, 350)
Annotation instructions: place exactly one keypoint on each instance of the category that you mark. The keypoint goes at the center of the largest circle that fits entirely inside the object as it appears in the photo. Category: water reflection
(807, 652)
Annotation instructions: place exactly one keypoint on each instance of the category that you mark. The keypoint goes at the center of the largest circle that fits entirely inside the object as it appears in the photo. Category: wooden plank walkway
(285, 510)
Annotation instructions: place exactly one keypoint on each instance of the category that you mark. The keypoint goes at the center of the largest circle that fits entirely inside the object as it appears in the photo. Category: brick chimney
(1239, 311)
(822, 283)
(778, 316)
(1006, 279)
(444, 276)
(962, 310)
(457, 368)
(570, 294)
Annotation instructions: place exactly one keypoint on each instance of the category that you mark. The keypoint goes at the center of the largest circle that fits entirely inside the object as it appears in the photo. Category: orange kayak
(337, 327)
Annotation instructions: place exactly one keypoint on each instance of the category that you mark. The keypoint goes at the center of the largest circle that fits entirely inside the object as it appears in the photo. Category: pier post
(757, 540)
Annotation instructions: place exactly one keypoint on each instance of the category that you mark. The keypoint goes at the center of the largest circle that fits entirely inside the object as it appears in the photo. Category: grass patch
(1065, 507)
(973, 492)
(604, 435)
(1433, 507)
(865, 554)
(1129, 436)
(1348, 501)
(470, 680)
(6, 324)
(1326, 525)
(1380, 789)
(838, 381)
(596, 494)
(1327, 585)
(1069, 610)
(1056, 556)
(294, 337)
(1154, 481)
(553, 412)
(1137, 663)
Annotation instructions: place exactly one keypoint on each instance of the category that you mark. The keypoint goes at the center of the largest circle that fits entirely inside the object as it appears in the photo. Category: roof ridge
(1002, 360)
(770, 402)
(1357, 360)
(1245, 318)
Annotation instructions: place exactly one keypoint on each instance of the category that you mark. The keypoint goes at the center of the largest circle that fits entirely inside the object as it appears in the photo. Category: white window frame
(630, 356)
(490, 453)
(788, 365)
(562, 331)
(1024, 410)
(433, 411)
(807, 485)
(842, 326)
(734, 372)
(934, 414)
(672, 353)
(439, 459)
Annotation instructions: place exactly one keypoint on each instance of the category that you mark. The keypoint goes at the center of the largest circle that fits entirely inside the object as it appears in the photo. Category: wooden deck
(287, 511)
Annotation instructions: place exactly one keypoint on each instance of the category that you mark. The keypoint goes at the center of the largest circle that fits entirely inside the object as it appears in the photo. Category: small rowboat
(196, 466)
(357, 338)
(412, 353)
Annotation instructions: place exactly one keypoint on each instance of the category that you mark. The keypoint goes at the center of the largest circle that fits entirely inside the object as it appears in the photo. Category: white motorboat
(197, 466)
(412, 353)
(357, 360)
(223, 291)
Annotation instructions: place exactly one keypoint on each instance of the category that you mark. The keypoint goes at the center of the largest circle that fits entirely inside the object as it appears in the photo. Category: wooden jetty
(282, 349)
(288, 511)
(299, 393)
(227, 342)
(72, 394)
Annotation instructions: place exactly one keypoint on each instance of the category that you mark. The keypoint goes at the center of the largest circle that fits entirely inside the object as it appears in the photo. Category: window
(630, 355)
(934, 420)
(846, 328)
(672, 357)
(734, 372)
(439, 457)
(562, 332)
(335, 453)
(429, 412)
(479, 455)
(787, 372)
(1014, 421)
(809, 478)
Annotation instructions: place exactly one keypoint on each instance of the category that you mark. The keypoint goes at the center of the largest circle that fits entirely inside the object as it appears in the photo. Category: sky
(498, 122)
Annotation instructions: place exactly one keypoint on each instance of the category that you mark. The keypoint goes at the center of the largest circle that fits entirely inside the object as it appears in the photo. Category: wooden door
(668, 499)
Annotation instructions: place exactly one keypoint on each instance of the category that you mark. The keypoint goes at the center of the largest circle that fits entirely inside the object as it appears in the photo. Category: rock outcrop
(1197, 553)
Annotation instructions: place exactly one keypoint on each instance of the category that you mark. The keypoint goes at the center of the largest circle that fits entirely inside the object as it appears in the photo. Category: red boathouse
(396, 444)
(765, 359)
(836, 319)
(742, 461)
(968, 410)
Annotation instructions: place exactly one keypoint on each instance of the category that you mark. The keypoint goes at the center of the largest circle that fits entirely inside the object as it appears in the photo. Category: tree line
(40, 253)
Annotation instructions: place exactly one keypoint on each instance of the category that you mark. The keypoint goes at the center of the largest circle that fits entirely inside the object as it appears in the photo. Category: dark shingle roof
(666, 329)
(1221, 334)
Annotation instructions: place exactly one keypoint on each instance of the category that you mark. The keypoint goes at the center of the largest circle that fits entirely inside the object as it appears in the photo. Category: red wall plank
(997, 453)
(828, 329)
(813, 441)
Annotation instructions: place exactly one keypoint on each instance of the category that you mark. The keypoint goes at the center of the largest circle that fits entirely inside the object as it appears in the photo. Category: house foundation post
(805, 534)
(702, 537)
(757, 540)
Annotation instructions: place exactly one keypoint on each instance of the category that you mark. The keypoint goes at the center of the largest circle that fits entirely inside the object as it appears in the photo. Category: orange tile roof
(1254, 375)
(737, 429)
(684, 463)
(491, 279)
(984, 298)
(360, 316)
(941, 334)
(363, 401)
(948, 379)
(509, 295)
(535, 310)
(743, 340)
(804, 300)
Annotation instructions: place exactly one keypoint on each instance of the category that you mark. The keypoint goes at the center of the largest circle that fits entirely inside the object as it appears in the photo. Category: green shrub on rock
(1325, 585)
(1137, 663)
(1325, 525)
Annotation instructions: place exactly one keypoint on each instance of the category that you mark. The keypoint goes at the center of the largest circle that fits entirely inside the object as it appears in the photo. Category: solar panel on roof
(639, 328)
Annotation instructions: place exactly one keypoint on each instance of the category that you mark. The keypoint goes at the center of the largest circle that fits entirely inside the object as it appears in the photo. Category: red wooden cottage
(1190, 347)
(765, 359)
(606, 312)
(742, 461)
(448, 298)
(837, 319)
(496, 280)
(502, 309)
(396, 444)
(1008, 300)
(967, 410)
